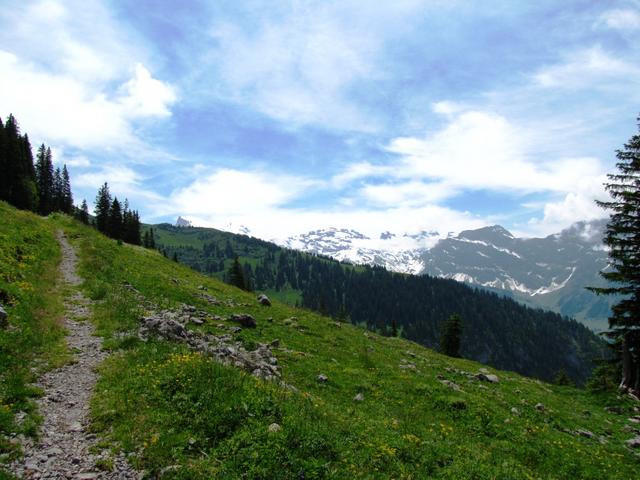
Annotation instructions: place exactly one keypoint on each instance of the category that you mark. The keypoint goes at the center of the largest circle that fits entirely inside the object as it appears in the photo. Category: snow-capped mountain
(400, 253)
(548, 272)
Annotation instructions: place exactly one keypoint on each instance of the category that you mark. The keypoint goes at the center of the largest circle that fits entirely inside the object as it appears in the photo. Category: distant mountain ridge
(549, 272)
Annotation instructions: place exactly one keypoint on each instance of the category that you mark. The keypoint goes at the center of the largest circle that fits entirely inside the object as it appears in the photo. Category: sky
(291, 116)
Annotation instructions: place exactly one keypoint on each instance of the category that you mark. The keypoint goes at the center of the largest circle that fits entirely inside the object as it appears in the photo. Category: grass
(33, 341)
(185, 416)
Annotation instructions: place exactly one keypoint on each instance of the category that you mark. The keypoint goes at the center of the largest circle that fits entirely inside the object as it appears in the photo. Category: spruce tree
(102, 208)
(83, 212)
(44, 180)
(114, 228)
(235, 275)
(19, 183)
(451, 336)
(57, 190)
(67, 195)
(623, 239)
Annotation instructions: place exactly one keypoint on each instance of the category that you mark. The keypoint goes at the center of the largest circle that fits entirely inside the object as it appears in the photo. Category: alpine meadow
(319, 240)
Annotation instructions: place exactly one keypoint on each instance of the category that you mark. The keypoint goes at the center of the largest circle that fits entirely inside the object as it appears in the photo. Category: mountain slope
(551, 272)
(497, 331)
(385, 407)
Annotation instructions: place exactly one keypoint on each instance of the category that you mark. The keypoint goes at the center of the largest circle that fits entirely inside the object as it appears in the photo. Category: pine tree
(83, 212)
(623, 239)
(451, 336)
(114, 226)
(102, 208)
(57, 190)
(235, 274)
(44, 180)
(18, 185)
(66, 194)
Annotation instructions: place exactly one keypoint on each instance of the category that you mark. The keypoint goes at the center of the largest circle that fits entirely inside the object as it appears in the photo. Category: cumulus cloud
(57, 72)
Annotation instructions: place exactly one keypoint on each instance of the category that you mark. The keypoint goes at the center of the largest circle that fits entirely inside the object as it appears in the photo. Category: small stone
(274, 428)
(322, 378)
(585, 433)
(515, 411)
(359, 397)
(275, 343)
(86, 475)
(487, 377)
(76, 427)
(540, 407)
(235, 329)
(264, 300)
(3, 317)
(634, 442)
(451, 385)
(244, 319)
(196, 321)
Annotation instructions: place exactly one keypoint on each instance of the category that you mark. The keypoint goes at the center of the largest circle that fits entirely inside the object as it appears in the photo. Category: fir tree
(83, 212)
(57, 190)
(44, 180)
(114, 226)
(66, 194)
(18, 185)
(235, 274)
(623, 239)
(102, 208)
(451, 336)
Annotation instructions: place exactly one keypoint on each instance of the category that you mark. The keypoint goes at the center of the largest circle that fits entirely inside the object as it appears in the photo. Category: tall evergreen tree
(4, 164)
(235, 274)
(67, 195)
(44, 180)
(102, 208)
(114, 229)
(18, 185)
(83, 212)
(623, 239)
(451, 336)
(57, 190)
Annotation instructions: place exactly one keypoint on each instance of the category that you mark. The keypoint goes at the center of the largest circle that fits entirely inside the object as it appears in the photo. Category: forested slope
(497, 331)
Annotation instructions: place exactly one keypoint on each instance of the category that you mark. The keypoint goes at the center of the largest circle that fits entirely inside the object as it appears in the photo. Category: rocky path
(63, 450)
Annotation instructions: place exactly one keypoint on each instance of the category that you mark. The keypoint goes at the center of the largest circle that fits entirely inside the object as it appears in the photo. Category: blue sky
(290, 116)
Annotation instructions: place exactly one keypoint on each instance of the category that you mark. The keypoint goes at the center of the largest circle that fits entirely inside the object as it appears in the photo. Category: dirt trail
(63, 449)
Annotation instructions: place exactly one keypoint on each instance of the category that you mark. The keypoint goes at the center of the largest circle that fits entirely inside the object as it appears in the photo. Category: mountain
(548, 272)
(399, 253)
(498, 331)
(551, 272)
(183, 222)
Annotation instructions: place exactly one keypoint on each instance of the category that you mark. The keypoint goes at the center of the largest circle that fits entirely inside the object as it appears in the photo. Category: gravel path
(63, 449)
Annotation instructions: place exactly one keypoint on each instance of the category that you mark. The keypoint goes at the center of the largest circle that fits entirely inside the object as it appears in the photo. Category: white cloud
(481, 150)
(58, 69)
(621, 19)
(406, 194)
(586, 68)
(146, 96)
(235, 192)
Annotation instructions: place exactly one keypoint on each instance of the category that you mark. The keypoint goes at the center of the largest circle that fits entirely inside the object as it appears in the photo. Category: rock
(359, 397)
(540, 407)
(584, 433)
(264, 300)
(488, 377)
(196, 321)
(515, 411)
(616, 410)
(451, 385)
(275, 343)
(244, 319)
(201, 287)
(634, 442)
(322, 378)
(4, 323)
(274, 428)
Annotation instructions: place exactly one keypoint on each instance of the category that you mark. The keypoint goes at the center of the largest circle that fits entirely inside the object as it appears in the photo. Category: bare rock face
(264, 300)
(244, 319)
(488, 377)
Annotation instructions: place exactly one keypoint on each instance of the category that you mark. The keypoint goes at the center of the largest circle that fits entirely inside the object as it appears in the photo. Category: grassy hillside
(31, 342)
(498, 331)
(185, 416)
